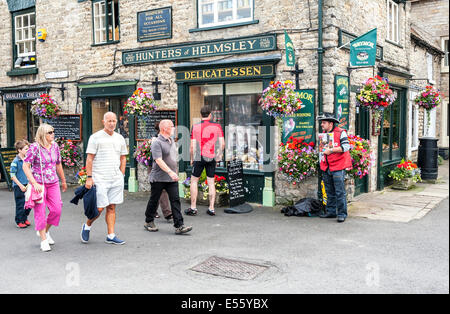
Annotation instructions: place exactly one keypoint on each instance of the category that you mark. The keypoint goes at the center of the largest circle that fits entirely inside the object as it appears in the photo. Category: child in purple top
(43, 168)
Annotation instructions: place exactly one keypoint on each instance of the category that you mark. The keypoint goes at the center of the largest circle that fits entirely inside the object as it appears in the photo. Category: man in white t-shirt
(105, 167)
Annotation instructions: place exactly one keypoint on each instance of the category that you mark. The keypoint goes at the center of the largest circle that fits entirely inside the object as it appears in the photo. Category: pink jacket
(33, 198)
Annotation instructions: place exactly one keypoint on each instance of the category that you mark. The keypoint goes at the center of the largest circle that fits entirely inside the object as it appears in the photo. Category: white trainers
(47, 235)
(45, 246)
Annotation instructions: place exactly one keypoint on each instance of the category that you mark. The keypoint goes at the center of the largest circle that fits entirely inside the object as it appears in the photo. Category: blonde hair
(41, 133)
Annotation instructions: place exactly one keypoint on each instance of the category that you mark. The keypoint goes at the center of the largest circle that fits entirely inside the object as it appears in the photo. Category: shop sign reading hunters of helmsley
(198, 50)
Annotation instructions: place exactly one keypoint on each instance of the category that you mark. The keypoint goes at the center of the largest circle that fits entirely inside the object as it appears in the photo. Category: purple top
(50, 158)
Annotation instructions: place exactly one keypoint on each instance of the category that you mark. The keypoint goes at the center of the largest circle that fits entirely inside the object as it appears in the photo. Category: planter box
(222, 199)
(404, 184)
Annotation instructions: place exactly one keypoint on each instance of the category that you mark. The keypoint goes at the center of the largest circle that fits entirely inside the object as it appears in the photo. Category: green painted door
(362, 127)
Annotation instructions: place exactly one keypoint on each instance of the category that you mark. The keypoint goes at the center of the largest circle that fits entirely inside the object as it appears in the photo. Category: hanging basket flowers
(280, 99)
(71, 154)
(143, 153)
(297, 160)
(376, 95)
(428, 99)
(140, 103)
(45, 107)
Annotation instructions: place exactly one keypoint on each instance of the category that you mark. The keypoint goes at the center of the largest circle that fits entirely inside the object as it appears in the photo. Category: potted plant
(362, 157)
(428, 99)
(45, 107)
(297, 160)
(82, 176)
(222, 190)
(71, 158)
(376, 95)
(280, 99)
(405, 175)
(140, 103)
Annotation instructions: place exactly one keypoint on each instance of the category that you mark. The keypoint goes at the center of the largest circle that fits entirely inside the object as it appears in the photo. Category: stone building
(217, 52)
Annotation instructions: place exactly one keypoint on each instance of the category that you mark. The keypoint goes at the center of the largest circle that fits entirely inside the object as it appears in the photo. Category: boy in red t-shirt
(204, 137)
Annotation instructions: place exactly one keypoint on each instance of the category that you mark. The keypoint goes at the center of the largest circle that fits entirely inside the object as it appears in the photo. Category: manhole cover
(229, 268)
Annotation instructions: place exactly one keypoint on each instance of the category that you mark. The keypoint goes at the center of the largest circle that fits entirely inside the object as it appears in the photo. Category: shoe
(84, 234)
(190, 212)
(47, 235)
(340, 219)
(21, 225)
(169, 218)
(27, 223)
(157, 216)
(327, 216)
(45, 246)
(150, 226)
(116, 240)
(211, 212)
(182, 229)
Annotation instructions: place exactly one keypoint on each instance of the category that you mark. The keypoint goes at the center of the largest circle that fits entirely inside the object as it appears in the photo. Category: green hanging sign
(341, 100)
(363, 50)
(301, 123)
(290, 51)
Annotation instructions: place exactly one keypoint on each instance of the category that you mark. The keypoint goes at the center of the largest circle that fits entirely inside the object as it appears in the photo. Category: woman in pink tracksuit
(43, 168)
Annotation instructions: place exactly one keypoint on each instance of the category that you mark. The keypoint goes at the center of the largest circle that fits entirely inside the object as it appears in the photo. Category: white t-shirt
(107, 150)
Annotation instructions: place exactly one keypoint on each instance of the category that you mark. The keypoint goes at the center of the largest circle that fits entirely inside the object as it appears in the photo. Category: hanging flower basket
(280, 99)
(140, 104)
(45, 107)
(376, 95)
(428, 99)
(143, 153)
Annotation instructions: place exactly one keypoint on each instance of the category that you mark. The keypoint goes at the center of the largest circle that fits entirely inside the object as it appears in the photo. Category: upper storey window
(223, 12)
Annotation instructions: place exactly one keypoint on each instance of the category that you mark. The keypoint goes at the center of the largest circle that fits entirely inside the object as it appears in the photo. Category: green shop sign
(199, 50)
(341, 100)
(235, 72)
(363, 50)
(301, 123)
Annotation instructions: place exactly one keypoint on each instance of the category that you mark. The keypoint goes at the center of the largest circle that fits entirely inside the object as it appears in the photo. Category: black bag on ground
(308, 207)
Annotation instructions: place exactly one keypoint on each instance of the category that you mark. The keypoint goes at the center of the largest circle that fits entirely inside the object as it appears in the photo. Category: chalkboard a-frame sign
(7, 156)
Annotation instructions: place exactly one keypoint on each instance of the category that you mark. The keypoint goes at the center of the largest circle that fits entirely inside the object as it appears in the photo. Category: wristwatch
(89, 176)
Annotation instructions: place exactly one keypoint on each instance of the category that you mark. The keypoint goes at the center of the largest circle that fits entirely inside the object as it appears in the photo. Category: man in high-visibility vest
(334, 159)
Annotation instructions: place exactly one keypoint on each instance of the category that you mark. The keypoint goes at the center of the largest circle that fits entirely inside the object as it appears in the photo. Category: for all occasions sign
(154, 24)
(199, 50)
(301, 123)
(341, 100)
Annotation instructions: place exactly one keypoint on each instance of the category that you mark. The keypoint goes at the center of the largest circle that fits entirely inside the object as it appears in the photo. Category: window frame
(444, 68)
(430, 69)
(234, 22)
(413, 118)
(15, 49)
(393, 30)
(106, 23)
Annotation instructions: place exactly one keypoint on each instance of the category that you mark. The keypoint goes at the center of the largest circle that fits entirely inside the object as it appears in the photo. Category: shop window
(24, 30)
(105, 15)
(240, 117)
(100, 106)
(25, 123)
(391, 131)
(223, 12)
(392, 23)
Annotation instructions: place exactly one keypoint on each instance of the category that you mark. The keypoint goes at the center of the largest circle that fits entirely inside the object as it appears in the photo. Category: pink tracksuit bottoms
(52, 200)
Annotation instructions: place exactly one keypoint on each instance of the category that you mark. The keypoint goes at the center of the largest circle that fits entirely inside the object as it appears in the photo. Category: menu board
(67, 126)
(7, 156)
(145, 125)
(236, 182)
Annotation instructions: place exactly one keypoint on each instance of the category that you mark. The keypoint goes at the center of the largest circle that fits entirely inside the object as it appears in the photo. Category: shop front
(392, 140)
(99, 98)
(20, 122)
(232, 89)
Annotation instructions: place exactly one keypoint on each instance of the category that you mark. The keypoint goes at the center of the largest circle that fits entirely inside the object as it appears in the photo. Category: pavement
(402, 206)
(301, 255)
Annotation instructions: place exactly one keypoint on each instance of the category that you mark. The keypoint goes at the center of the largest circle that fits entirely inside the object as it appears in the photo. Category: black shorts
(198, 166)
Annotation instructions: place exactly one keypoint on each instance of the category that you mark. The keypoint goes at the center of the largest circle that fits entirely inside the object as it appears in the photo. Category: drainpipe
(319, 85)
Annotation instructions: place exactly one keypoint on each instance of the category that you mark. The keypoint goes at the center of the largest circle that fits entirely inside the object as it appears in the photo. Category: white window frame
(430, 70)
(392, 22)
(413, 128)
(215, 6)
(444, 68)
(101, 30)
(27, 36)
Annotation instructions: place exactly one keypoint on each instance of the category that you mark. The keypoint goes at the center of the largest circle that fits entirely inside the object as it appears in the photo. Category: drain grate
(229, 268)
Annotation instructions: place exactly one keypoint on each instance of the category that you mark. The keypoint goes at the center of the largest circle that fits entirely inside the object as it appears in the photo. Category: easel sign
(7, 156)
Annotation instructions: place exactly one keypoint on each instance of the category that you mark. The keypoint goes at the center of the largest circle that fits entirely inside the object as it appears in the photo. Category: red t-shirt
(206, 134)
